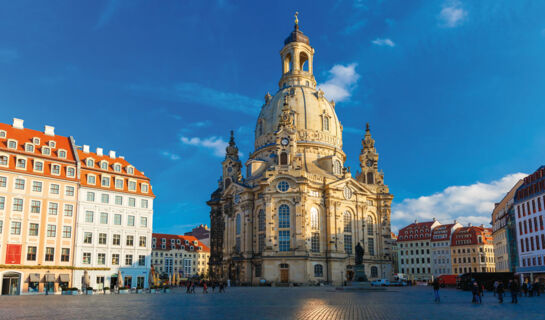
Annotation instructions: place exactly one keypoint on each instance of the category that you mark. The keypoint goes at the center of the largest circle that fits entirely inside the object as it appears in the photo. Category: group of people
(190, 286)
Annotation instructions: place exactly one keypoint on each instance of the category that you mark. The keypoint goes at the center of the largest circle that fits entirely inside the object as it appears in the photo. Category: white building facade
(414, 250)
(440, 248)
(114, 222)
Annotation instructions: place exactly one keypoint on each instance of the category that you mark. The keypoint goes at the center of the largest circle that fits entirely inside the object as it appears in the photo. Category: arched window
(283, 216)
(370, 178)
(238, 224)
(283, 158)
(261, 220)
(337, 167)
(318, 270)
(287, 63)
(314, 219)
(303, 57)
(374, 272)
(370, 226)
(347, 219)
(325, 124)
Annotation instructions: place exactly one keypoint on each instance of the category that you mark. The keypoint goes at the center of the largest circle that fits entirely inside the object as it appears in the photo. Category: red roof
(416, 231)
(24, 137)
(469, 236)
(442, 232)
(97, 171)
(169, 245)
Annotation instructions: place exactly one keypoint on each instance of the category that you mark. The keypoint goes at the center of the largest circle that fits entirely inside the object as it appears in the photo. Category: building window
(35, 206)
(314, 219)
(370, 226)
(17, 204)
(315, 242)
(347, 220)
(258, 269)
(130, 241)
(67, 232)
(318, 270)
(130, 221)
(261, 242)
(115, 259)
(117, 219)
(15, 228)
(36, 186)
(325, 123)
(142, 260)
(68, 210)
(144, 223)
(116, 240)
(348, 243)
(371, 246)
(90, 163)
(132, 202)
(284, 240)
(104, 218)
(89, 216)
(62, 154)
(53, 208)
(144, 187)
(105, 198)
(283, 158)
(54, 188)
(38, 166)
(144, 204)
(142, 242)
(87, 258)
(3, 160)
(91, 179)
(55, 169)
(12, 144)
(374, 272)
(90, 196)
(104, 165)
(130, 170)
(21, 163)
(283, 186)
(237, 224)
(20, 184)
(49, 254)
(119, 200)
(117, 167)
(31, 254)
(261, 220)
(70, 172)
(69, 191)
(33, 229)
(102, 238)
(65, 255)
(88, 237)
(132, 186)
(284, 216)
(337, 167)
(101, 258)
(128, 260)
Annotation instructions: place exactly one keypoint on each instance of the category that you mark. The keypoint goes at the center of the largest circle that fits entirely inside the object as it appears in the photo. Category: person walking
(530, 289)
(500, 291)
(222, 289)
(476, 295)
(514, 287)
(213, 286)
(436, 290)
(188, 287)
(525, 287)
(204, 288)
(192, 286)
(537, 287)
(495, 287)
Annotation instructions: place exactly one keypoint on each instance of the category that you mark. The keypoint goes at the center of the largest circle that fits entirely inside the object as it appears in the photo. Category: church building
(297, 214)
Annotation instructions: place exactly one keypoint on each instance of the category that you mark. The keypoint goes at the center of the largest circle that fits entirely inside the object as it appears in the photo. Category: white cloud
(171, 156)
(216, 144)
(341, 82)
(473, 203)
(452, 14)
(384, 42)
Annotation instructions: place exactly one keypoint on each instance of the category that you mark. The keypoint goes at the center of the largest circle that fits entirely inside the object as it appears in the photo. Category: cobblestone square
(272, 303)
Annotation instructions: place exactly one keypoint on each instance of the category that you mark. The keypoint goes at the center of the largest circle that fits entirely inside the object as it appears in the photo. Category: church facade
(298, 214)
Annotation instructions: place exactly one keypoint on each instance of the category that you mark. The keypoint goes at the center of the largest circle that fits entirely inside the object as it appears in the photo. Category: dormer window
(191, 248)
(29, 147)
(36, 141)
(163, 246)
(52, 144)
(70, 172)
(132, 185)
(3, 160)
(21, 163)
(130, 170)
(105, 181)
(337, 167)
(62, 154)
(179, 241)
(90, 162)
(117, 167)
(46, 151)
(104, 165)
(119, 183)
(172, 241)
(55, 169)
(154, 240)
(3, 134)
(183, 247)
(186, 242)
(163, 240)
(144, 187)
(38, 166)
(195, 242)
(12, 144)
(91, 179)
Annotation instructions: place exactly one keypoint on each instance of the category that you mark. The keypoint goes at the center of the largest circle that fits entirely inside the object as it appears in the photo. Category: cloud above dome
(341, 81)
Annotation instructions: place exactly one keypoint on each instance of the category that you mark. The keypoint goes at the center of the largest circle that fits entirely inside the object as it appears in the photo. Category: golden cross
(296, 20)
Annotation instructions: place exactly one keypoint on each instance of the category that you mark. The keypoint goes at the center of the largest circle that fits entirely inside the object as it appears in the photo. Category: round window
(347, 193)
(283, 186)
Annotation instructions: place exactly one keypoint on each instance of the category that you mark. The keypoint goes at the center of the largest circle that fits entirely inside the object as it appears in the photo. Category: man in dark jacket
(436, 290)
(514, 287)
(476, 294)
(500, 291)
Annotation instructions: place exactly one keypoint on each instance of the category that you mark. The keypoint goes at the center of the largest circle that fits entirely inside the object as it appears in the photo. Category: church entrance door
(284, 273)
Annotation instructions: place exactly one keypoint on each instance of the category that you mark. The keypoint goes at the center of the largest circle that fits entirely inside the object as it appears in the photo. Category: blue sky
(454, 90)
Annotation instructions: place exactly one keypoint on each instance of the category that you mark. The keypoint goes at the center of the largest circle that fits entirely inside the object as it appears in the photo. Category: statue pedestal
(359, 273)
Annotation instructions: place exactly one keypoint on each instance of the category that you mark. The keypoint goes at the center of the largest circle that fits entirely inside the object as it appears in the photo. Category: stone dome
(314, 117)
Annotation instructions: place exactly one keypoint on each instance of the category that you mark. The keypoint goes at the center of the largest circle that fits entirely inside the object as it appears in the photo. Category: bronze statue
(359, 254)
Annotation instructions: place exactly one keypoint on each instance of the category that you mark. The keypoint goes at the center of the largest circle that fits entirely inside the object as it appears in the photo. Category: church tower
(231, 165)
(369, 161)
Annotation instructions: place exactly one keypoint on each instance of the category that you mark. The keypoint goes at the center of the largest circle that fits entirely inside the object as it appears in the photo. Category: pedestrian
(537, 287)
(514, 291)
(495, 287)
(436, 290)
(192, 286)
(213, 286)
(204, 288)
(475, 292)
(530, 289)
(500, 291)
(188, 287)
(221, 288)
(525, 287)
(481, 290)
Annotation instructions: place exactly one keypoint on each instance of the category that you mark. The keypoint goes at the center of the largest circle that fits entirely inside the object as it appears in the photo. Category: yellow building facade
(299, 213)
(472, 250)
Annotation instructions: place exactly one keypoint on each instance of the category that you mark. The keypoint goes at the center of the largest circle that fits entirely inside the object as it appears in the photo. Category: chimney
(112, 154)
(482, 226)
(99, 151)
(86, 148)
(469, 224)
(121, 157)
(455, 222)
(18, 123)
(415, 221)
(434, 219)
(49, 131)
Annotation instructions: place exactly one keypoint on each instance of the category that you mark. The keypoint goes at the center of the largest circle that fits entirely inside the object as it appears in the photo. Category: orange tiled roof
(168, 237)
(469, 236)
(24, 136)
(442, 232)
(97, 171)
(416, 231)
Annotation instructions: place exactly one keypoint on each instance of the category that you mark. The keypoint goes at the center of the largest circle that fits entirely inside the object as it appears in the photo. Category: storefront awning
(49, 277)
(64, 277)
(34, 277)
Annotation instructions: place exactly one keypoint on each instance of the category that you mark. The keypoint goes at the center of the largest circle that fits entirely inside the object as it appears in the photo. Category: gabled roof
(469, 236)
(175, 237)
(416, 231)
(442, 232)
